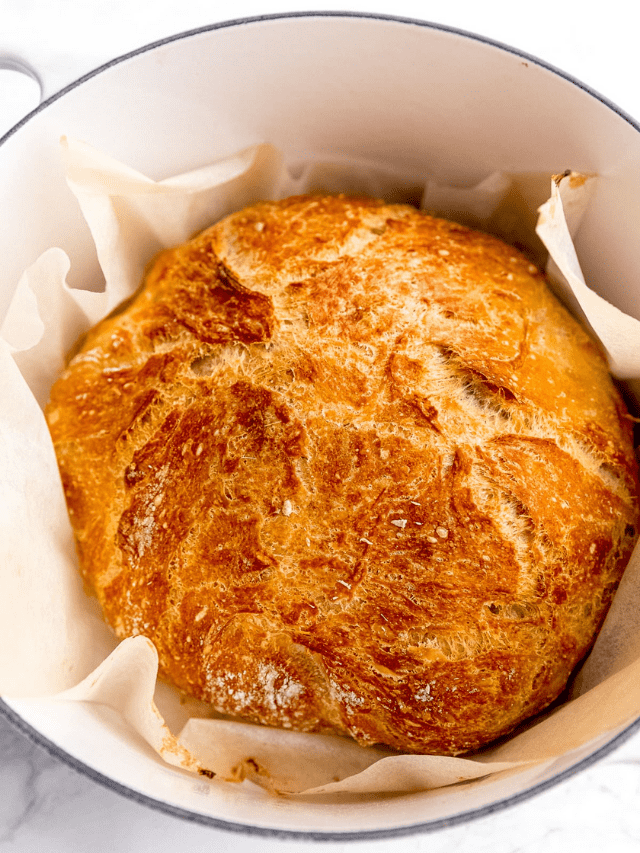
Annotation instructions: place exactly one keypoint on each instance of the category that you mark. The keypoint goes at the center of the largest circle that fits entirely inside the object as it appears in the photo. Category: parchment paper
(54, 642)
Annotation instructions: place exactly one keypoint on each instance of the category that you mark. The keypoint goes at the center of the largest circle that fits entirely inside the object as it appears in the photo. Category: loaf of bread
(352, 469)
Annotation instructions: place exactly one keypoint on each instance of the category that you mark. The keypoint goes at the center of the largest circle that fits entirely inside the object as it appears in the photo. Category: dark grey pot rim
(217, 823)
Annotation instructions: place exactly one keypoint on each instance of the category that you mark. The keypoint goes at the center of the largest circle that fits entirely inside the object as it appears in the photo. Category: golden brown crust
(352, 469)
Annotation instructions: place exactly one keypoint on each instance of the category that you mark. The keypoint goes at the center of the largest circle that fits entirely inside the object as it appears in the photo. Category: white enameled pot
(420, 98)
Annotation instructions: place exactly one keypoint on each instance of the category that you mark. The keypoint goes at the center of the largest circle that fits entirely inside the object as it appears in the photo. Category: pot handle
(20, 90)
(29, 83)
(51, 72)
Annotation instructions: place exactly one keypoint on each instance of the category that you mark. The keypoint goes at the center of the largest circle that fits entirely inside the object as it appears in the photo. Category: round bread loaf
(352, 469)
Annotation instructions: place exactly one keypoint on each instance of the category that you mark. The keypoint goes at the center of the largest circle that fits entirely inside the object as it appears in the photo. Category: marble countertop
(47, 806)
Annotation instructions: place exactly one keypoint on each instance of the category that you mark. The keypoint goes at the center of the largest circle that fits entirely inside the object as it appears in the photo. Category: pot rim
(263, 831)
(323, 14)
(291, 834)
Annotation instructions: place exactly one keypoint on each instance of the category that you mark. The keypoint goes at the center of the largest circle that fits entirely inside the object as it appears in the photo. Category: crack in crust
(352, 469)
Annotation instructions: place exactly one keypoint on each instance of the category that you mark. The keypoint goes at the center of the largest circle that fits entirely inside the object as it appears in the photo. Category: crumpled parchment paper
(55, 646)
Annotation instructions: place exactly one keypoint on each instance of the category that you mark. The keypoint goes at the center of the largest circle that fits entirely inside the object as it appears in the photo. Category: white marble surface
(47, 806)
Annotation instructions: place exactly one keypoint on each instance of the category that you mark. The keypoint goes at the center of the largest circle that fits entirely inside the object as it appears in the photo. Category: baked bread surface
(352, 469)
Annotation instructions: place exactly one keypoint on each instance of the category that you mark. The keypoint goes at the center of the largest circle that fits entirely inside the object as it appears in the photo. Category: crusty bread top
(353, 469)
